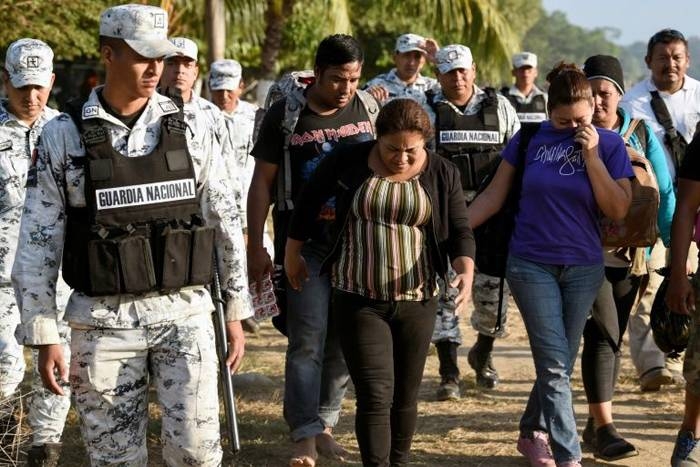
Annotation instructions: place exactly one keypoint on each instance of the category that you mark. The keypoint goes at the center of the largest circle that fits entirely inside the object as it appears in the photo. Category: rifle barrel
(222, 350)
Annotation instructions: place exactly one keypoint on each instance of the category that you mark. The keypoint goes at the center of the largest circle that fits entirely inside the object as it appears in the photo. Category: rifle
(222, 351)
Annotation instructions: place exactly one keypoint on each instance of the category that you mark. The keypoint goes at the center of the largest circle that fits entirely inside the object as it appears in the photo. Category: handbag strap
(658, 106)
(630, 129)
(527, 131)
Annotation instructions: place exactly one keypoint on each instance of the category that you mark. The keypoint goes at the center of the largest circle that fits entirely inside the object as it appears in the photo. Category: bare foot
(328, 447)
(304, 453)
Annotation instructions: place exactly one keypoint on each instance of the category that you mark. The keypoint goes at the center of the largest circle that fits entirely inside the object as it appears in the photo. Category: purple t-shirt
(558, 218)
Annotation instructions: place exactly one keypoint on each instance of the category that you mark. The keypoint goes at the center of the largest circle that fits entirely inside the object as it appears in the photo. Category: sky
(644, 17)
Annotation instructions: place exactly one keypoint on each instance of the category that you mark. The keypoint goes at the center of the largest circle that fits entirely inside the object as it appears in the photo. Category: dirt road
(478, 430)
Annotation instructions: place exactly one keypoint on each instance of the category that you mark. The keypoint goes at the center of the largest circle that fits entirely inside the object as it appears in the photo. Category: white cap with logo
(29, 62)
(452, 57)
(143, 27)
(225, 75)
(409, 43)
(185, 48)
(522, 59)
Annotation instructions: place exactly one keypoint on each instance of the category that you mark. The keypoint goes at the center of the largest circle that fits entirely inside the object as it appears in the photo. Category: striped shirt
(383, 251)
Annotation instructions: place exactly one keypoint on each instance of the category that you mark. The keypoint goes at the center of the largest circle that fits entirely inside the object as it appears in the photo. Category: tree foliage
(493, 29)
(485, 25)
(70, 28)
(554, 39)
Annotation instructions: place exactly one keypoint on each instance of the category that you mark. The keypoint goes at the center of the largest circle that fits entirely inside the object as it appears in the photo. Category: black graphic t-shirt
(313, 138)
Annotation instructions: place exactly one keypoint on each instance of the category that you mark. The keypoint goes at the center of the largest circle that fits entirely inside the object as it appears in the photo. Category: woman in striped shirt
(400, 214)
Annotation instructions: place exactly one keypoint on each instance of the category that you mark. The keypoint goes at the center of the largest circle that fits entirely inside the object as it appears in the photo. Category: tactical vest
(472, 142)
(533, 111)
(141, 229)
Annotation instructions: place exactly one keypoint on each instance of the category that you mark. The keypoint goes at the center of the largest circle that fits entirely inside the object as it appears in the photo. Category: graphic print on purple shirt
(558, 218)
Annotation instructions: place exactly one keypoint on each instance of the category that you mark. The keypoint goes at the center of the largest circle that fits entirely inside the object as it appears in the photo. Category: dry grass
(478, 430)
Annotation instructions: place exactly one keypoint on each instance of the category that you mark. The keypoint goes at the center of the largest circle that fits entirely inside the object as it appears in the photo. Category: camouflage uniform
(485, 298)
(201, 114)
(121, 342)
(485, 288)
(47, 412)
(520, 99)
(399, 89)
(240, 126)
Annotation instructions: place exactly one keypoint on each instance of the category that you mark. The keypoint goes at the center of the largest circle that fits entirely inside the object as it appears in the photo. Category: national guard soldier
(179, 75)
(137, 211)
(225, 89)
(28, 78)
(405, 79)
(530, 102)
(472, 125)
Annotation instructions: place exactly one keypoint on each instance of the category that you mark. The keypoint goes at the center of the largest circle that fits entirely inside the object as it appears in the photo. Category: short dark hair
(666, 36)
(567, 85)
(115, 43)
(403, 115)
(336, 50)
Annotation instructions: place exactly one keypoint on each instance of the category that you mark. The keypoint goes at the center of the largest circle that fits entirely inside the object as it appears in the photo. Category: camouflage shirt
(508, 122)
(397, 88)
(17, 143)
(60, 181)
(200, 114)
(240, 124)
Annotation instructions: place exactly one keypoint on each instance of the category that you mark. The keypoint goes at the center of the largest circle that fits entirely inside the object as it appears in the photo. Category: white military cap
(225, 74)
(185, 48)
(524, 59)
(143, 27)
(409, 43)
(29, 62)
(453, 56)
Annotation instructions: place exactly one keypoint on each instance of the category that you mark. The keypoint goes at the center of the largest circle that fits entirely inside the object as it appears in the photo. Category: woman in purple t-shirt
(573, 172)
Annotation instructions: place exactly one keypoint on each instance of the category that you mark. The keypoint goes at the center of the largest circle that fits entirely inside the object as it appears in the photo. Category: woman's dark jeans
(385, 346)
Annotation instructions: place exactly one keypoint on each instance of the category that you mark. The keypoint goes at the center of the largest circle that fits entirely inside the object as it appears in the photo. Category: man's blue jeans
(554, 302)
(315, 372)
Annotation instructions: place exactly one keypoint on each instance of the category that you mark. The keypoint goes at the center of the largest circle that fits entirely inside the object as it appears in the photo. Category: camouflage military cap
(29, 62)
(410, 42)
(522, 59)
(143, 27)
(186, 48)
(452, 57)
(225, 74)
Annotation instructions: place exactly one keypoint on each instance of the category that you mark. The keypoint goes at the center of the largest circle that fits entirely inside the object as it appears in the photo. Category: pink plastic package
(264, 302)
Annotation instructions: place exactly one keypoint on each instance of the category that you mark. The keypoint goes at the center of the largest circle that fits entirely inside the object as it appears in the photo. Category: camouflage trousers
(483, 320)
(110, 375)
(47, 411)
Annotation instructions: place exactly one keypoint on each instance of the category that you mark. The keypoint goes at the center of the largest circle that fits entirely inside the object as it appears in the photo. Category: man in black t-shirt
(315, 371)
(314, 136)
(682, 297)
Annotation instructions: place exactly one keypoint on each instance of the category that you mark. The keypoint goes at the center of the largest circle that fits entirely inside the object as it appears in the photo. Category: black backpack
(493, 236)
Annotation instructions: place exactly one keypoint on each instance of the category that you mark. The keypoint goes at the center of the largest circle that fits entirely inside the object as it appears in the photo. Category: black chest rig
(472, 142)
(533, 111)
(141, 229)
